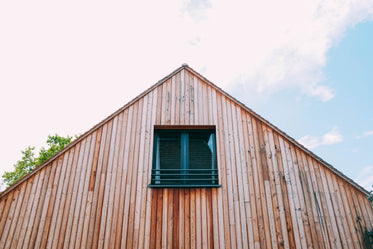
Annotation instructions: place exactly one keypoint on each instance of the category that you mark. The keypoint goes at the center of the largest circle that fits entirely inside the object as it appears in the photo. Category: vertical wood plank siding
(273, 194)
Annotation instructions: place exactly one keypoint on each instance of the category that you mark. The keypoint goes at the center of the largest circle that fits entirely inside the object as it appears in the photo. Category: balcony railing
(184, 178)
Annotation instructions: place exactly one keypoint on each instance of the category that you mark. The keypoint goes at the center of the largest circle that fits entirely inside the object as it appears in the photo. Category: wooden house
(185, 165)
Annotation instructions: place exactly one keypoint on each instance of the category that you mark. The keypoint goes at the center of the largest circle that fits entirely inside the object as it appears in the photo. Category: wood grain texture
(95, 193)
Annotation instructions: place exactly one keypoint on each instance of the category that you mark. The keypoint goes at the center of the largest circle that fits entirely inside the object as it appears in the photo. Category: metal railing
(181, 178)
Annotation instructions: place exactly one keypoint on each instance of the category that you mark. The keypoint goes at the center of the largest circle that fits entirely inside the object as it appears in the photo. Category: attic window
(184, 157)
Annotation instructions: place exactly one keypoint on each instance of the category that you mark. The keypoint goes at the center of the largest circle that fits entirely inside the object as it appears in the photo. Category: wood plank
(339, 212)
(353, 238)
(239, 163)
(170, 218)
(360, 223)
(210, 224)
(147, 161)
(3, 202)
(107, 209)
(82, 164)
(177, 98)
(204, 223)
(305, 224)
(123, 164)
(154, 217)
(265, 240)
(312, 212)
(34, 221)
(69, 167)
(25, 209)
(111, 226)
(11, 199)
(182, 97)
(335, 240)
(64, 239)
(193, 230)
(53, 233)
(33, 212)
(103, 160)
(92, 199)
(223, 191)
(73, 161)
(218, 223)
(291, 195)
(186, 98)
(229, 174)
(132, 163)
(271, 194)
(320, 198)
(248, 182)
(139, 207)
(159, 228)
(283, 238)
(293, 166)
(95, 183)
(127, 229)
(253, 182)
(175, 221)
(172, 101)
(52, 201)
(187, 219)
(164, 218)
(182, 219)
(86, 195)
(10, 226)
(149, 204)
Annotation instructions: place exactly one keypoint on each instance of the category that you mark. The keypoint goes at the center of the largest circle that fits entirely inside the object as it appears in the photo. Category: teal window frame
(183, 175)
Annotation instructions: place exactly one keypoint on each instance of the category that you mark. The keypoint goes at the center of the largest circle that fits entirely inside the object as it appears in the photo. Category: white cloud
(368, 133)
(365, 134)
(365, 177)
(329, 138)
(271, 48)
(324, 93)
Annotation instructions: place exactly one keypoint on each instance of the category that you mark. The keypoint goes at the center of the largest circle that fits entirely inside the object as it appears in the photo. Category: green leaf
(29, 162)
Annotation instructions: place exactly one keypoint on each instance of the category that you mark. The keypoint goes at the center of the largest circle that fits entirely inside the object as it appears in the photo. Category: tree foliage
(29, 161)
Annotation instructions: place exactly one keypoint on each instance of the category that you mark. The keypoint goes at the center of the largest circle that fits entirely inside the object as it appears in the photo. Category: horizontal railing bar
(186, 179)
(184, 186)
(185, 174)
(185, 169)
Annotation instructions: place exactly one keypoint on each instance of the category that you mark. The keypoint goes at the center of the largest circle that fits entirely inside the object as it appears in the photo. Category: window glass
(169, 150)
(201, 155)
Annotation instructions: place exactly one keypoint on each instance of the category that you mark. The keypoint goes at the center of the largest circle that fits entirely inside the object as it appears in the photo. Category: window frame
(185, 171)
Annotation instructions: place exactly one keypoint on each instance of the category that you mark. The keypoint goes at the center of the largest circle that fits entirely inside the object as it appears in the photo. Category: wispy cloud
(365, 134)
(329, 138)
(365, 177)
(279, 47)
(265, 45)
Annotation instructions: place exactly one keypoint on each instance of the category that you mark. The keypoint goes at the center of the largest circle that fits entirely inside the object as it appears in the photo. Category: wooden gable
(274, 194)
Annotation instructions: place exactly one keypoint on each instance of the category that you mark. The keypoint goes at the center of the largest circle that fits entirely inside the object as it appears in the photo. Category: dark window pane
(169, 156)
(201, 153)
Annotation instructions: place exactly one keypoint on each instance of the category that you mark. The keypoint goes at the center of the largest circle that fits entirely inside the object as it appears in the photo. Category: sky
(305, 66)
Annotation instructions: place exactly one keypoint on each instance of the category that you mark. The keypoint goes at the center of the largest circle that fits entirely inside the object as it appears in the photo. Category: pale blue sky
(303, 65)
(349, 71)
